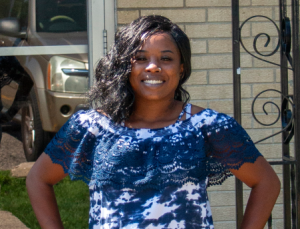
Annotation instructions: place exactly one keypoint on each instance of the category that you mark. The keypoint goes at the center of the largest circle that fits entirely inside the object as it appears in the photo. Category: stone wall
(208, 25)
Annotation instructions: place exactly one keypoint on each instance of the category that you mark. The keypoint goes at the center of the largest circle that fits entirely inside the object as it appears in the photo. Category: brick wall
(208, 25)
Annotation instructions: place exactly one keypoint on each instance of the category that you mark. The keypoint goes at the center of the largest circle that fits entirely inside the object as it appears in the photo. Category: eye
(140, 58)
(166, 58)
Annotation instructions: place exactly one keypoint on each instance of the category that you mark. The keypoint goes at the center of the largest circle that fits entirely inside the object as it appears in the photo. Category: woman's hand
(265, 189)
(40, 180)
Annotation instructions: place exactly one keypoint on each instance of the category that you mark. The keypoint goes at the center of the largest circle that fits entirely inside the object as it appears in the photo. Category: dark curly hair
(112, 92)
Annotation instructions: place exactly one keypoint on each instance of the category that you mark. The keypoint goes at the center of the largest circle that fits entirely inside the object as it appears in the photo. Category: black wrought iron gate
(288, 49)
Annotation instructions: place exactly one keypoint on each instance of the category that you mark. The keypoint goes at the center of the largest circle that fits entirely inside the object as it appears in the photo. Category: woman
(146, 154)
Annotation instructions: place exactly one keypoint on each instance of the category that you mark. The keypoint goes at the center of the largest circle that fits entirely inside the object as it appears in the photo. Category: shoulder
(84, 121)
(85, 118)
(209, 117)
(196, 109)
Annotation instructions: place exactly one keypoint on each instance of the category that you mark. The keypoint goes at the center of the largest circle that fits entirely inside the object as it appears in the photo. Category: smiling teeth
(153, 81)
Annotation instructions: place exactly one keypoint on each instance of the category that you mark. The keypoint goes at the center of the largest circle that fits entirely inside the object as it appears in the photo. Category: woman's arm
(40, 180)
(265, 189)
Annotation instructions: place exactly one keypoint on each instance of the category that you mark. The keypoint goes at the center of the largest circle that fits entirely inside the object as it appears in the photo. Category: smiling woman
(148, 155)
(134, 44)
(156, 68)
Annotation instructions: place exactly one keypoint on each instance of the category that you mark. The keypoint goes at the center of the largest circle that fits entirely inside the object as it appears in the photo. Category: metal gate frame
(289, 112)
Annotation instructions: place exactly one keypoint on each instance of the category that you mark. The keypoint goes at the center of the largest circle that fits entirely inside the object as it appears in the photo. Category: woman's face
(156, 68)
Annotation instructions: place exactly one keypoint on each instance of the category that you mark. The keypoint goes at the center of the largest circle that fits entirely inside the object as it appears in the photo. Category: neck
(152, 111)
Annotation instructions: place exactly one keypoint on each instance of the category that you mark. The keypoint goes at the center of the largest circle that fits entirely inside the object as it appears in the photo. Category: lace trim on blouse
(90, 147)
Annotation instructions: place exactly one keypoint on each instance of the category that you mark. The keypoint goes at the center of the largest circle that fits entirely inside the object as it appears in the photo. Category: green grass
(72, 198)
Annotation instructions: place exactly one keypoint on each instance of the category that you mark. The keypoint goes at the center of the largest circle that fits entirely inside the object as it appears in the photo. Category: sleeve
(228, 146)
(73, 147)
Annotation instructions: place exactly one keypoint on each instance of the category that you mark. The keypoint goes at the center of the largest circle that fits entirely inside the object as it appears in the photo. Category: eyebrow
(167, 51)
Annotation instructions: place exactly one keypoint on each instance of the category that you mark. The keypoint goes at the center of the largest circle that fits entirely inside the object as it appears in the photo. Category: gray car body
(49, 102)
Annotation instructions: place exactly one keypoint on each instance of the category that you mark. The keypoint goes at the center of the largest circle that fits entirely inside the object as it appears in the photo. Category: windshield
(61, 16)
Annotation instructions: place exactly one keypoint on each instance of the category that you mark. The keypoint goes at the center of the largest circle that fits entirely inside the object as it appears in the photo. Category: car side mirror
(11, 27)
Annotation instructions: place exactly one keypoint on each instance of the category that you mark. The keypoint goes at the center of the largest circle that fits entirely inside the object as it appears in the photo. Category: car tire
(34, 138)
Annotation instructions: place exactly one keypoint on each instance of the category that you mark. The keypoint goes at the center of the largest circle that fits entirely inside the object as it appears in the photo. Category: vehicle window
(19, 10)
(5, 8)
(59, 16)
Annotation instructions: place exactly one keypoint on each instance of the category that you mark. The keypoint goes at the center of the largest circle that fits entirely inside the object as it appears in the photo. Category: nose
(152, 67)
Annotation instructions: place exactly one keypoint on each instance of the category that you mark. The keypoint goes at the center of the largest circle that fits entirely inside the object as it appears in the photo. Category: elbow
(273, 185)
(269, 184)
(33, 180)
(277, 185)
(274, 189)
(30, 180)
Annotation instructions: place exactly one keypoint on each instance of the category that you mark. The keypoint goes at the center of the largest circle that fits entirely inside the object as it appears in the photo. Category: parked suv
(60, 81)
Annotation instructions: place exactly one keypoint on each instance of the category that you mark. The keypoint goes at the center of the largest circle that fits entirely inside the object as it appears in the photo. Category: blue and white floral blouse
(151, 178)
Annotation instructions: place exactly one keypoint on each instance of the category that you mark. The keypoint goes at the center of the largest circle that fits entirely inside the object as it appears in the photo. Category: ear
(181, 69)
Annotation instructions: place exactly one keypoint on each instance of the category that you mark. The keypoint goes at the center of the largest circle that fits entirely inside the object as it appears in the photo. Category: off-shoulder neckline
(177, 123)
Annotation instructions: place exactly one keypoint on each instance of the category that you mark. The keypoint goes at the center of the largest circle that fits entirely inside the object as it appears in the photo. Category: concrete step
(22, 169)
(9, 221)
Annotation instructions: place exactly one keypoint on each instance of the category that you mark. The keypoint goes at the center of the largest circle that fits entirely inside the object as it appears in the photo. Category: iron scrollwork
(287, 117)
(284, 41)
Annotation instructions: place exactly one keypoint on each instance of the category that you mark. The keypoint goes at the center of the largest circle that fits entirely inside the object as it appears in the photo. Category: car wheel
(34, 137)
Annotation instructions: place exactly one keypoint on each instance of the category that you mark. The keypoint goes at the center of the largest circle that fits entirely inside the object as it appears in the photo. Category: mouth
(153, 82)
